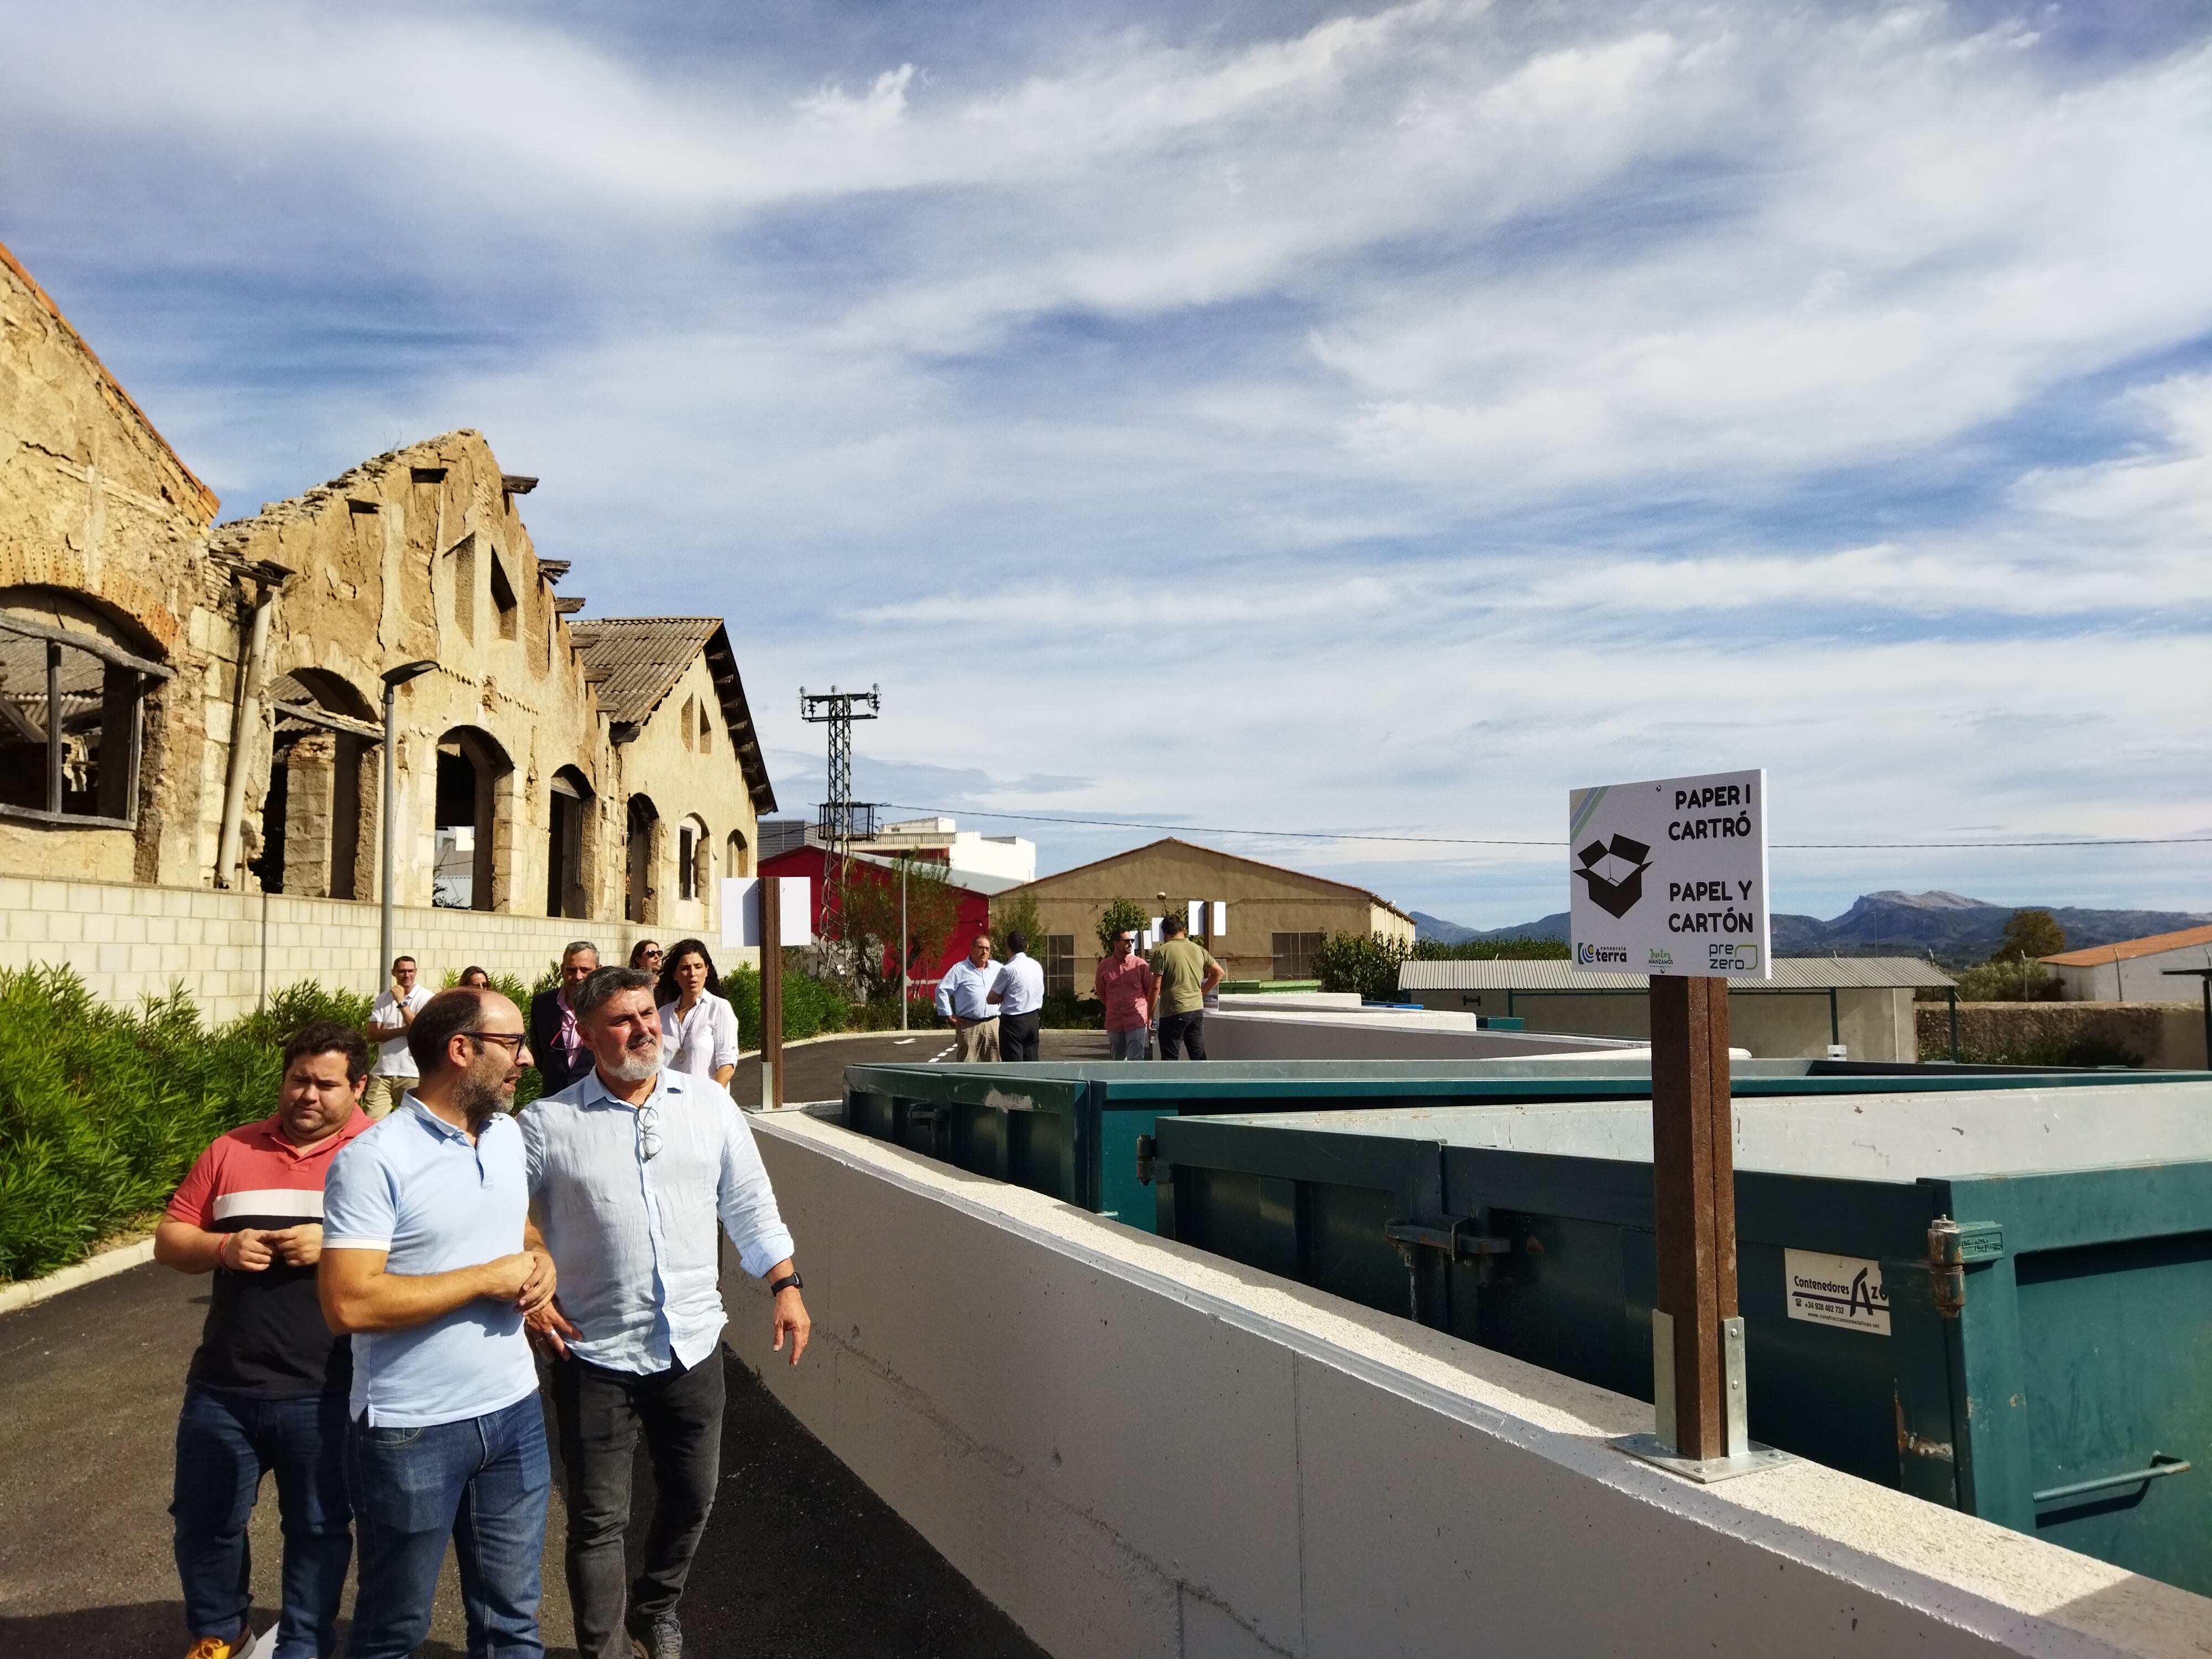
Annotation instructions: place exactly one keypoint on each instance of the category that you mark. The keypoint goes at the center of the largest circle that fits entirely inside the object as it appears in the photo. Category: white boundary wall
(127, 942)
(1138, 1449)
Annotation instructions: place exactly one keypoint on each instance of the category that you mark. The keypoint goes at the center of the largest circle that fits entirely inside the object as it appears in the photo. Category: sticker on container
(1836, 1290)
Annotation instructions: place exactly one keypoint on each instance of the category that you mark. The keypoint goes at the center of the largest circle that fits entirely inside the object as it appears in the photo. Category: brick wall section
(128, 942)
(2166, 1034)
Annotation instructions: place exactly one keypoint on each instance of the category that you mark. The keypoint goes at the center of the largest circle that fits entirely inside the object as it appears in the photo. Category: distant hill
(1952, 927)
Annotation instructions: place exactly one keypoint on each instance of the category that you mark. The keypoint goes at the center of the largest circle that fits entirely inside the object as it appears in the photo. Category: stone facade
(519, 778)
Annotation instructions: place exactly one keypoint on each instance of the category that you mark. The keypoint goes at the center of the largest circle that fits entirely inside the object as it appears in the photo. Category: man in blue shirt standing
(424, 1262)
(629, 1170)
(964, 996)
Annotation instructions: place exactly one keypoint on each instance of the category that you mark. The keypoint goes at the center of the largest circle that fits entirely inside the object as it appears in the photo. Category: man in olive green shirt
(1184, 973)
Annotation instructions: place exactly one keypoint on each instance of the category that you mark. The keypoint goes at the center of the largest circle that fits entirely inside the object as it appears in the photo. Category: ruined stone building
(191, 720)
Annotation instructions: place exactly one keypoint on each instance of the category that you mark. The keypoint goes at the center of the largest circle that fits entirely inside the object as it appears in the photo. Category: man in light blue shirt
(964, 996)
(1018, 996)
(424, 1263)
(629, 1170)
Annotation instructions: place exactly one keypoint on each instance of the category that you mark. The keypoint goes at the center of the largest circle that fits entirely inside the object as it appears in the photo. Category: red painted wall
(975, 909)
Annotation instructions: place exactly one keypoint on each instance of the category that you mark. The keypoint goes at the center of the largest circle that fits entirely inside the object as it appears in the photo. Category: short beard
(637, 1065)
(482, 1098)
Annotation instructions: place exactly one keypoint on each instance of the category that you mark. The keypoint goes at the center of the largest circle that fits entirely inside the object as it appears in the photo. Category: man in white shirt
(394, 1073)
(964, 996)
(1019, 996)
(629, 1170)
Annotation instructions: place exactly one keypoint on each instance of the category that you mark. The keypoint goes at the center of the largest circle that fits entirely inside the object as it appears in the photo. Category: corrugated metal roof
(2127, 950)
(1790, 974)
(635, 661)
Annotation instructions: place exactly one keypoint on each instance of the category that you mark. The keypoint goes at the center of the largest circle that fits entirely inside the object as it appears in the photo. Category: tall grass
(103, 1108)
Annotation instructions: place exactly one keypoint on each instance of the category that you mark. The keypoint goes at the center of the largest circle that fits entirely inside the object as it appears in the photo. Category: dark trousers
(225, 1444)
(1018, 1034)
(599, 1414)
(481, 1481)
(1181, 1031)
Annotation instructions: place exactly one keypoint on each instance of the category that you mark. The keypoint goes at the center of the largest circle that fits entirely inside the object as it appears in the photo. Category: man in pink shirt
(1123, 984)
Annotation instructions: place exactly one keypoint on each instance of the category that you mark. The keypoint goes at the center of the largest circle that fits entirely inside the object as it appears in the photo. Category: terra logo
(1591, 955)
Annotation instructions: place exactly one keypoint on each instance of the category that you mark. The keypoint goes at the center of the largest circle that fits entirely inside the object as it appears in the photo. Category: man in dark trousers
(267, 1390)
(1184, 973)
(629, 1172)
(560, 1054)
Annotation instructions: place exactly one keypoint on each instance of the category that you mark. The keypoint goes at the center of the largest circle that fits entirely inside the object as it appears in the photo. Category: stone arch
(737, 856)
(319, 817)
(572, 851)
(474, 823)
(643, 860)
(77, 677)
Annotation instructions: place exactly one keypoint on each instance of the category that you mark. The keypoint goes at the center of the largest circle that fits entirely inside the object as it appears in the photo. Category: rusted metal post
(771, 950)
(1693, 1178)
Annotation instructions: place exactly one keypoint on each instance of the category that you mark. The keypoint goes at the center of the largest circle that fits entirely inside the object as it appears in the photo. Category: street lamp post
(393, 680)
(905, 949)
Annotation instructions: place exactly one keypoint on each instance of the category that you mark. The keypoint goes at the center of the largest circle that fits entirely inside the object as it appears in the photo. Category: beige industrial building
(1864, 1004)
(1275, 919)
(192, 736)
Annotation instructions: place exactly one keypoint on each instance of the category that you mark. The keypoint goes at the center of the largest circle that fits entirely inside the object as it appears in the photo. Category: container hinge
(1953, 1246)
(1151, 1166)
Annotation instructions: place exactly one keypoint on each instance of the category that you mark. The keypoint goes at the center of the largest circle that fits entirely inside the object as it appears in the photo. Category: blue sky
(1361, 421)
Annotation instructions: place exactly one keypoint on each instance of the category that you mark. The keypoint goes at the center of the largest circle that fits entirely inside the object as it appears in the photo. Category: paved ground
(800, 1559)
(815, 1071)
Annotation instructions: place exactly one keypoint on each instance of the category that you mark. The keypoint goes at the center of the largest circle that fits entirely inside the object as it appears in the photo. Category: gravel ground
(801, 1560)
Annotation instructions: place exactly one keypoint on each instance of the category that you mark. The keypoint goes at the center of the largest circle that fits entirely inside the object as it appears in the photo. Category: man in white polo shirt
(630, 1170)
(395, 1006)
(1018, 995)
(423, 1263)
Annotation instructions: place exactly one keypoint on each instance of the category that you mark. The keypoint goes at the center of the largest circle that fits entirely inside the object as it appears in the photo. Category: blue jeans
(481, 1481)
(225, 1444)
(1128, 1045)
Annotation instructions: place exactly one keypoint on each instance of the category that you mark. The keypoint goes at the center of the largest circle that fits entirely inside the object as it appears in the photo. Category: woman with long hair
(646, 955)
(698, 1027)
(474, 978)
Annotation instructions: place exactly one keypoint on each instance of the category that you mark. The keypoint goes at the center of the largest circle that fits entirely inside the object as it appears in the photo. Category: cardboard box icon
(1614, 874)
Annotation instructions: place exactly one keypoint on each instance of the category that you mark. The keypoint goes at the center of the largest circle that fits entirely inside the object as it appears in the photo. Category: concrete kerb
(29, 1293)
(1992, 1589)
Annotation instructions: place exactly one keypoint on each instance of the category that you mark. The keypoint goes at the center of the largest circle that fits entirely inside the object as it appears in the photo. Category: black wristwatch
(790, 1282)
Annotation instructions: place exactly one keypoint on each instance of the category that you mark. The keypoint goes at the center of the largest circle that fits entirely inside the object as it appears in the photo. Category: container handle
(2160, 1464)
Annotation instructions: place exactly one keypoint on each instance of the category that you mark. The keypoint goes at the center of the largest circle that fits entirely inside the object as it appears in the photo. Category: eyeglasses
(517, 1038)
(648, 1134)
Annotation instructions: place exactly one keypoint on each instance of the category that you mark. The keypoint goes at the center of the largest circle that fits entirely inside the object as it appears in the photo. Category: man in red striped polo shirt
(267, 1388)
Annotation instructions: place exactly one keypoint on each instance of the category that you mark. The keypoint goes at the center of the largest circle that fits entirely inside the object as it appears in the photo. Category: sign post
(1669, 879)
(771, 961)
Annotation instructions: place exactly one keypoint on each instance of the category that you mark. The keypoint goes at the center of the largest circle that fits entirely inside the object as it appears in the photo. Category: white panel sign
(1195, 917)
(741, 922)
(1668, 876)
(1220, 918)
(1836, 1290)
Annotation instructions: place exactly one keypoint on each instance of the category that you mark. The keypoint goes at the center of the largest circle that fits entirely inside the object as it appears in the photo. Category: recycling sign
(1668, 876)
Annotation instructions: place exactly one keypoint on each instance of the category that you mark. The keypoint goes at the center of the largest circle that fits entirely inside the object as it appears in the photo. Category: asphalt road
(800, 1561)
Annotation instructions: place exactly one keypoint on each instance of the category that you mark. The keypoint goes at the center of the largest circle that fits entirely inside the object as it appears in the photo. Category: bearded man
(425, 1263)
(629, 1169)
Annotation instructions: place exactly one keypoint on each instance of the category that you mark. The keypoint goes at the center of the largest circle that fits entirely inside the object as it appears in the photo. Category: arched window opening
(466, 875)
(73, 683)
(737, 856)
(706, 728)
(323, 777)
(568, 880)
(688, 730)
(640, 894)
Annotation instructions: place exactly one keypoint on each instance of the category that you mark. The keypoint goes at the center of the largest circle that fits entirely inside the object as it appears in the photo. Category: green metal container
(1999, 1302)
(1076, 1129)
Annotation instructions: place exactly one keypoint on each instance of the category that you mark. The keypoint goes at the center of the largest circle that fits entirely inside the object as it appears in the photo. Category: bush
(102, 1108)
(1367, 963)
(2007, 982)
(811, 1005)
(1063, 1011)
(2084, 1048)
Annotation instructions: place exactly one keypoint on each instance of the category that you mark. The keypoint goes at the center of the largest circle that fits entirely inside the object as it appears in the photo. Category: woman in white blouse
(698, 1027)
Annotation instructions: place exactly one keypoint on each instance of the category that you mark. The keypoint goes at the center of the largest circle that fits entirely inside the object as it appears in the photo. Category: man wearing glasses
(424, 1262)
(630, 1171)
(1124, 983)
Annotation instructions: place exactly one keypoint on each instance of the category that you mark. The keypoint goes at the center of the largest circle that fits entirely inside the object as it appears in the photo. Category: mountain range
(1949, 926)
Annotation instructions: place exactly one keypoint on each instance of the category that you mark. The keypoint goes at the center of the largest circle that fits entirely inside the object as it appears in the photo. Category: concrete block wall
(128, 942)
(1139, 1450)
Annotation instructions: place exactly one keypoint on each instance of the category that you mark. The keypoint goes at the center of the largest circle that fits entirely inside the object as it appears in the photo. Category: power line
(1500, 841)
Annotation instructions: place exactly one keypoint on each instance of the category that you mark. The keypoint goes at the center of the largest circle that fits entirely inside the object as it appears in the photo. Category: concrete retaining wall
(128, 942)
(1137, 1450)
(2165, 1034)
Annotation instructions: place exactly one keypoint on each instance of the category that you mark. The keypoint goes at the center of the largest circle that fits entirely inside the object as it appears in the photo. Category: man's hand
(504, 1278)
(790, 1316)
(247, 1250)
(538, 1290)
(297, 1246)
(548, 1329)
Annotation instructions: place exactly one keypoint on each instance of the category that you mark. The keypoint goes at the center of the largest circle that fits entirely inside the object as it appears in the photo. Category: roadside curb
(31, 1292)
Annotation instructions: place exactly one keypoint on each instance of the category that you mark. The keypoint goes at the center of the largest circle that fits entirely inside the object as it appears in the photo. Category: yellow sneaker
(216, 1647)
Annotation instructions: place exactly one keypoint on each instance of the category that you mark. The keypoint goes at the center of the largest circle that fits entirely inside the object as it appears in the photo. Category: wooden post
(1693, 1178)
(771, 949)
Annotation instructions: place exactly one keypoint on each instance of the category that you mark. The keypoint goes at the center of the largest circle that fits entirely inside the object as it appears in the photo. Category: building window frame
(1293, 954)
(126, 677)
(1059, 964)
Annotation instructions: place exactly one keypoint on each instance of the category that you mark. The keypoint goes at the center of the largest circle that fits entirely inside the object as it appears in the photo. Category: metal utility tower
(842, 820)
